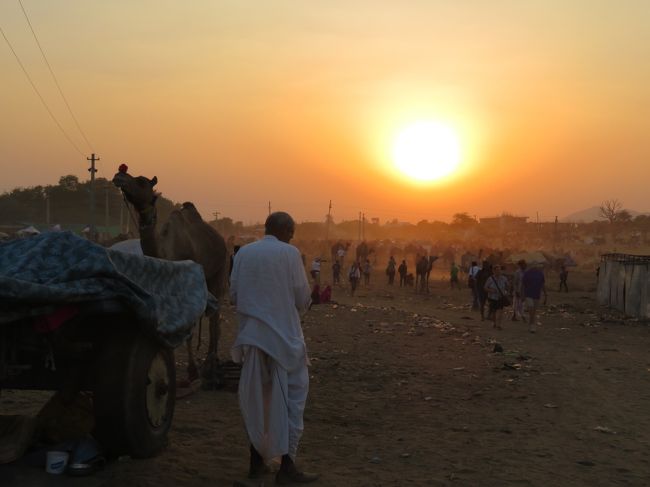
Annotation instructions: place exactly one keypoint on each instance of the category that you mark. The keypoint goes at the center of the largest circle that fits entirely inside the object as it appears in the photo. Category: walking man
(390, 270)
(564, 275)
(453, 276)
(270, 290)
(403, 270)
(533, 284)
(518, 292)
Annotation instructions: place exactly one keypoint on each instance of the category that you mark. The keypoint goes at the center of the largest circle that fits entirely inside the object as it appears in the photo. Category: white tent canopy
(30, 230)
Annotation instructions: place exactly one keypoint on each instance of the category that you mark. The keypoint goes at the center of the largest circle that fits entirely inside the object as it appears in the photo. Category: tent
(531, 258)
(26, 232)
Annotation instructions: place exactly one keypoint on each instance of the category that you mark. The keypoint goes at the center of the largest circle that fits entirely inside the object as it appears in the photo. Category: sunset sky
(235, 103)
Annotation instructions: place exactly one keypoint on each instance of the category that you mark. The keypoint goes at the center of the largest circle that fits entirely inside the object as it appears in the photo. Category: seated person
(326, 295)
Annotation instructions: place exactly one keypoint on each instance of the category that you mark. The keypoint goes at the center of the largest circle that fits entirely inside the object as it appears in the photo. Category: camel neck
(148, 217)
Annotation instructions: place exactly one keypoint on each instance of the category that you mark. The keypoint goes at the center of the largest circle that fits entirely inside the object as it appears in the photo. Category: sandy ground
(406, 390)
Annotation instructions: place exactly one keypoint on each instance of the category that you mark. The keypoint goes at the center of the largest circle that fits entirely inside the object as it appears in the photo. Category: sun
(427, 151)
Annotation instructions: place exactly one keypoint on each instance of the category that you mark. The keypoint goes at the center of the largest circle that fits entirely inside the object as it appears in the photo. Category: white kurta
(270, 289)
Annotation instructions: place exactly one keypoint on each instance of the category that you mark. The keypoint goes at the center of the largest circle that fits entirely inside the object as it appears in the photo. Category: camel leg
(215, 334)
(211, 372)
(192, 369)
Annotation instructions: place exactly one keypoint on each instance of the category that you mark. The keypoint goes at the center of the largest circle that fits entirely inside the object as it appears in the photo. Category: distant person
(340, 254)
(232, 259)
(479, 281)
(453, 276)
(496, 289)
(564, 275)
(518, 292)
(354, 276)
(367, 269)
(410, 280)
(336, 272)
(403, 270)
(315, 270)
(472, 284)
(390, 270)
(533, 283)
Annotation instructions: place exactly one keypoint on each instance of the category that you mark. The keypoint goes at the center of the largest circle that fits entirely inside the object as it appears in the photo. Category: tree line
(68, 202)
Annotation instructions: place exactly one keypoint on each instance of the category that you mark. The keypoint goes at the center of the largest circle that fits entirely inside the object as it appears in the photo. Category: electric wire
(39, 94)
(56, 81)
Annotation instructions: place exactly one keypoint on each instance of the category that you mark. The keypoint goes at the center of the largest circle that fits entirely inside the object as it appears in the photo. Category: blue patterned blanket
(40, 273)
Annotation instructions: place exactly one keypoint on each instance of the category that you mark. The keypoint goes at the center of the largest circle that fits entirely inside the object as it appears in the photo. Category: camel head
(137, 190)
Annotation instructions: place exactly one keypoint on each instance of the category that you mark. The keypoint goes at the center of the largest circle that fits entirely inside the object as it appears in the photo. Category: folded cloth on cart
(43, 272)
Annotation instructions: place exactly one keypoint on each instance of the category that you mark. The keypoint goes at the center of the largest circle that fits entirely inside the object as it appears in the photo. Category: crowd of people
(494, 293)
(489, 285)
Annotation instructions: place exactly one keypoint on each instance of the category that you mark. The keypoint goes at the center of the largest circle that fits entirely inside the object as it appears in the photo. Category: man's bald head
(280, 225)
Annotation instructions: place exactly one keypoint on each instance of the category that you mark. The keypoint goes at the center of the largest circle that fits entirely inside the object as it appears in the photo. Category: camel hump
(190, 212)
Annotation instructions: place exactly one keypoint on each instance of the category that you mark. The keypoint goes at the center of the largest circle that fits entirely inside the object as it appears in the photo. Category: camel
(363, 251)
(185, 236)
(423, 268)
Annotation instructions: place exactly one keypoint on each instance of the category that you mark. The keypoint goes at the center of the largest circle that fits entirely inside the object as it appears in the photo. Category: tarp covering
(624, 284)
(39, 274)
(131, 246)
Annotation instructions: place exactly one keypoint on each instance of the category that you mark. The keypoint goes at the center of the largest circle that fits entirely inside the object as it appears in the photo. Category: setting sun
(426, 151)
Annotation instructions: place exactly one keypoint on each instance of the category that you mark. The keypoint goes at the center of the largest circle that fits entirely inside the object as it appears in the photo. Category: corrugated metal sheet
(623, 283)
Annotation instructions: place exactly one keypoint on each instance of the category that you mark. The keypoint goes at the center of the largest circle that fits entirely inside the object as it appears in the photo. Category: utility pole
(216, 220)
(47, 208)
(327, 228)
(269, 207)
(363, 226)
(107, 212)
(359, 225)
(92, 171)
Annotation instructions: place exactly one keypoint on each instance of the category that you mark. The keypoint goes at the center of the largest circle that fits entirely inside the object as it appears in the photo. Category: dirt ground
(406, 390)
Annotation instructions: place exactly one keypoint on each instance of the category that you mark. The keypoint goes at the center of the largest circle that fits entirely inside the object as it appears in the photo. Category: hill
(590, 214)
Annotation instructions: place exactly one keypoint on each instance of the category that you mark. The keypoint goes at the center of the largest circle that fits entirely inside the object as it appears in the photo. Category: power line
(56, 81)
(39, 94)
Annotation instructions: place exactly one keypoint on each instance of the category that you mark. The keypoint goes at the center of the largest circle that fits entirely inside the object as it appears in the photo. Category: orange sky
(232, 104)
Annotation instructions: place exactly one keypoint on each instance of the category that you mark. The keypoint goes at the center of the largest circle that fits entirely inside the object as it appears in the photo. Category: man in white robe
(270, 289)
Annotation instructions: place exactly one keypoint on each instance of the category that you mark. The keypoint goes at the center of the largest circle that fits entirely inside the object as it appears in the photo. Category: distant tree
(610, 209)
(69, 182)
(623, 216)
(462, 219)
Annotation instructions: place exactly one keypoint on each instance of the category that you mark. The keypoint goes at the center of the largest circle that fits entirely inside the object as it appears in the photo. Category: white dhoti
(272, 401)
